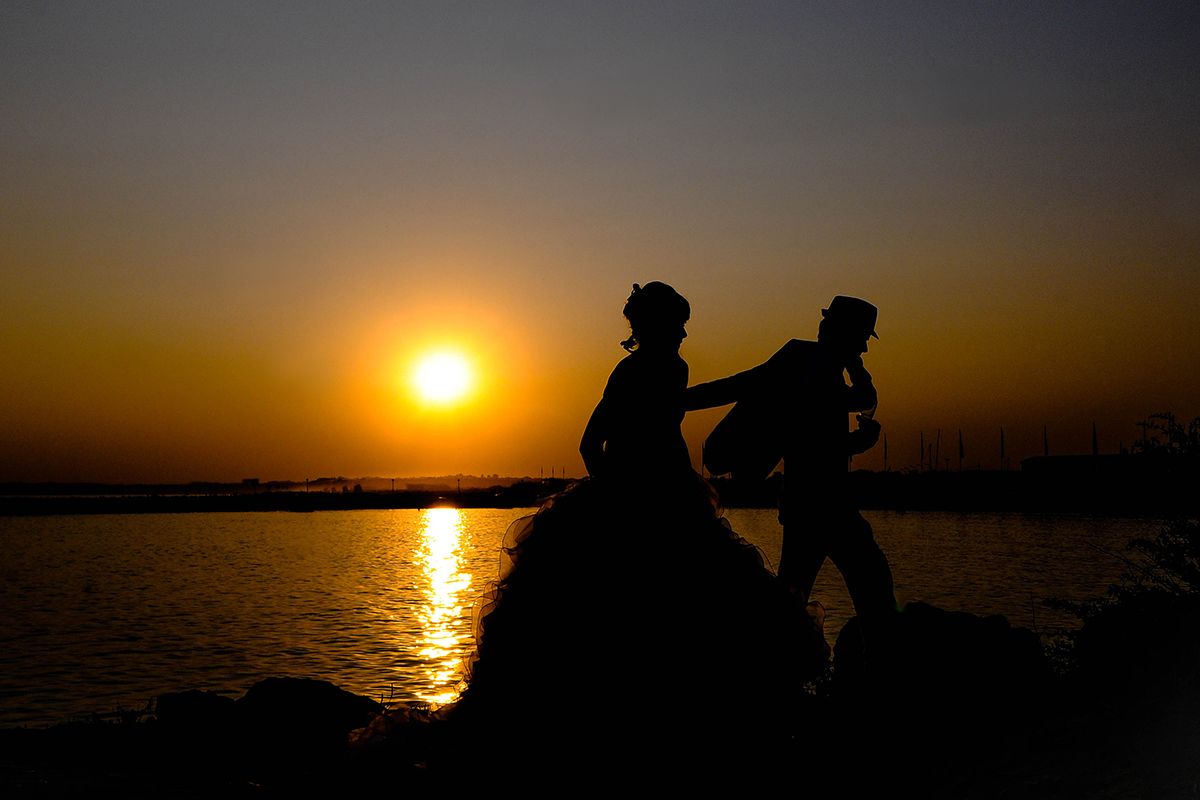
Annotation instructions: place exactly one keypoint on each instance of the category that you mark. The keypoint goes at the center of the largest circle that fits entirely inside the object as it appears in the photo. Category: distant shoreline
(294, 501)
(1068, 484)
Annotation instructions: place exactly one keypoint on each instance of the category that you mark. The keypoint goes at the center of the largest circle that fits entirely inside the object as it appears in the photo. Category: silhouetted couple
(631, 622)
(793, 408)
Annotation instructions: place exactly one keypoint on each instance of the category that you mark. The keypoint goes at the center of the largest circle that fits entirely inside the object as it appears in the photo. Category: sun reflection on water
(446, 586)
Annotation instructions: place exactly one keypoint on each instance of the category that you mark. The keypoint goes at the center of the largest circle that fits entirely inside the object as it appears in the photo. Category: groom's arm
(860, 394)
(864, 438)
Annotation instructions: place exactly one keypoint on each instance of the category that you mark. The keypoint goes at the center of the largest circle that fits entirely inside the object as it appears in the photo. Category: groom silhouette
(795, 407)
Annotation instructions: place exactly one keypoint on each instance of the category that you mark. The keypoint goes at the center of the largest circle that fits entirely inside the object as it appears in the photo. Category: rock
(293, 707)
(290, 732)
(1141, 650)
(194, 709)
(943, 667)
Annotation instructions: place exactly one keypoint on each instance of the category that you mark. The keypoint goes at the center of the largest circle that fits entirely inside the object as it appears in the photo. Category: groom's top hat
(852, 314)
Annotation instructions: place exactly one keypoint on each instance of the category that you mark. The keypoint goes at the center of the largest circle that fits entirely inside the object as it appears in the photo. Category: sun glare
(442, 378)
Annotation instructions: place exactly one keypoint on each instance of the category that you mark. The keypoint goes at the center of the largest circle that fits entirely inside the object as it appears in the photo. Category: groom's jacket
(793, 407)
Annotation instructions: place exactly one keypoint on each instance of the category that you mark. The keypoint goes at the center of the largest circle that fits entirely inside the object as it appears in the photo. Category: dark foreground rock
(284, 737)
(949, 705)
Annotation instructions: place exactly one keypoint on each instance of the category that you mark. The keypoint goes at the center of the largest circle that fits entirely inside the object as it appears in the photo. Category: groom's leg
(864, 567)
(802, 554)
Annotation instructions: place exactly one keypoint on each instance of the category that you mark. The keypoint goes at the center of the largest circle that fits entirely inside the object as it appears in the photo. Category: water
(105, 612)
(985, 563)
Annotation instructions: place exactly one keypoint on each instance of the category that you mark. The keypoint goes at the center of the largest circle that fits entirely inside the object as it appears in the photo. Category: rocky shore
(958, 706)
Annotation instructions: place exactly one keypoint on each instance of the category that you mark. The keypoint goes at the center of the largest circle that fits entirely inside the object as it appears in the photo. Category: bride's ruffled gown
(632, 623)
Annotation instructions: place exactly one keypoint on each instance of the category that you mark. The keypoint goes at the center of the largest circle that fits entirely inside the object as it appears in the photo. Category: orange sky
(226, 234)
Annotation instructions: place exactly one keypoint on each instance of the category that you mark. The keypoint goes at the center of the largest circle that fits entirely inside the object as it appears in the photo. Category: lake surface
(105, 612)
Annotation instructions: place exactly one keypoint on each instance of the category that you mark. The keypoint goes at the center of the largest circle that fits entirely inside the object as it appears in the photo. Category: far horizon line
(485, 480)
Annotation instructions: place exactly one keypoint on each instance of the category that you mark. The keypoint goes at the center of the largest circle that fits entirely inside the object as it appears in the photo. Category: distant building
(1143, 481)
(427, 487)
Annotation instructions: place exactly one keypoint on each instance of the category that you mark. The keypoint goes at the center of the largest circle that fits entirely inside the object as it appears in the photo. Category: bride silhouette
(631, 625)
(634, 432)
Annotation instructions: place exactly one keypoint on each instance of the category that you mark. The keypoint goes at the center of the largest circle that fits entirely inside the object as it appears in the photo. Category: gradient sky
(228, 230)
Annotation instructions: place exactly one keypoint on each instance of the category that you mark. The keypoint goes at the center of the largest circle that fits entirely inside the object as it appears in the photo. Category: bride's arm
(722, 391)
(591, 445)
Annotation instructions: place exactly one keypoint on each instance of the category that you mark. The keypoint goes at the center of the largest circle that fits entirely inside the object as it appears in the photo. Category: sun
(442, 378)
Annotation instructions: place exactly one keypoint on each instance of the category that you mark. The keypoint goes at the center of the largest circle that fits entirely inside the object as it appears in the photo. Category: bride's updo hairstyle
(654, 310)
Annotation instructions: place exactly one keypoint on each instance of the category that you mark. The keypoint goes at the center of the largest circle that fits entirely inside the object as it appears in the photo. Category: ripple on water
(107, 611)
